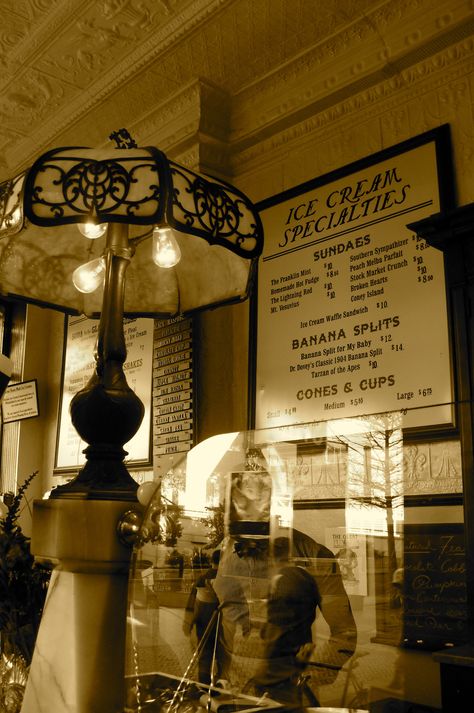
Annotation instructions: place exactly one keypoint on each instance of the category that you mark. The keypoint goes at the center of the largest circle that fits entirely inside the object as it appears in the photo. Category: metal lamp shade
(37, 266)
(217, 229)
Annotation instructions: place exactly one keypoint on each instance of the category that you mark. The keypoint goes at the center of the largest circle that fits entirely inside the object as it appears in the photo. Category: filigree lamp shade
(217, 229)
(204, 236)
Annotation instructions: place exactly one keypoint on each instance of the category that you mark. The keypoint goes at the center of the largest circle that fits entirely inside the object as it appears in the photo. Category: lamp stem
(111, 349)
(106, 412)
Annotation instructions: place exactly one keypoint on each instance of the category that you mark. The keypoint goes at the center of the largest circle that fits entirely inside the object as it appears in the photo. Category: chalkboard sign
(434, 586)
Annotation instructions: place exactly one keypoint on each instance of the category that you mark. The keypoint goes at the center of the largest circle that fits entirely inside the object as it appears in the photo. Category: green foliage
(23, 584)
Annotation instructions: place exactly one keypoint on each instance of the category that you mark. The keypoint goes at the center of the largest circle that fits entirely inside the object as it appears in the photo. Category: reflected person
(201, 613)
(291, 611)
(335, 606)
(323, 590)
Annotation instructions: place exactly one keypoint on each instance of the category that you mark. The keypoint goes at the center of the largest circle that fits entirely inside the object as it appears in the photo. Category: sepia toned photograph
(236, 356)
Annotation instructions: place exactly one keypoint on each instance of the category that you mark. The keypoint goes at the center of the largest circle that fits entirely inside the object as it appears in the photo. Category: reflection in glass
(278, 567)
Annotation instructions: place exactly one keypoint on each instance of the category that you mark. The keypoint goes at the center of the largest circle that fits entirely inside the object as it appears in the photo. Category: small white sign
(20, 401)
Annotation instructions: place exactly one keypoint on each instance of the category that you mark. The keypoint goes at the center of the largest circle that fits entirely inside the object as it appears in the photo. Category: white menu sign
(352, 314)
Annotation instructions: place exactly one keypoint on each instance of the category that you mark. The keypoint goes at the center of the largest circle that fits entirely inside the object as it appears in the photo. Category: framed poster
(78, 366)
(350, 551)
(351, 313)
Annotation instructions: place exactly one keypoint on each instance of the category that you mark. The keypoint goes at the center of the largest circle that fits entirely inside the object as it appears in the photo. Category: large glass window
(321, 563)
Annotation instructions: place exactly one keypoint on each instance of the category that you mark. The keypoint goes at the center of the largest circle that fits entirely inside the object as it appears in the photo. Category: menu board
(79, 365)
(352, 314)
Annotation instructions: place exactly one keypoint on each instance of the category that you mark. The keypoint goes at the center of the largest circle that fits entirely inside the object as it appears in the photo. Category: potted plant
(23, 586)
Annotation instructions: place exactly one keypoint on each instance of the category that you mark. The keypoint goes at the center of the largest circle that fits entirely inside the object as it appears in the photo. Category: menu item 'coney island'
(352, 315)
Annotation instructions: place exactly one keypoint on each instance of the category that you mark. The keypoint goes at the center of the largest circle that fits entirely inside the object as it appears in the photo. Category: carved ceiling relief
(293, 70)
(19, 21)
(378, 42)
(29, 100)
(99, 38)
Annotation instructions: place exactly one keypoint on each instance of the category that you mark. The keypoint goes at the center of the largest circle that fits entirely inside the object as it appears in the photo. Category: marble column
(79, 659)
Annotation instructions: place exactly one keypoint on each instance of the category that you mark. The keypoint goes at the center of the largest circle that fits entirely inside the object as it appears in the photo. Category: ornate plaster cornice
(380, 46)
(438, 73)
(196, 115)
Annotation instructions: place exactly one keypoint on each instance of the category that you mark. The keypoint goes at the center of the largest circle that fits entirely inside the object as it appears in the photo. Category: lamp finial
(123, 139)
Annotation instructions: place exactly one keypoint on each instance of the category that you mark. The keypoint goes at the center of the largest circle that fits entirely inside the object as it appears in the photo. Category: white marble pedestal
(78, 662)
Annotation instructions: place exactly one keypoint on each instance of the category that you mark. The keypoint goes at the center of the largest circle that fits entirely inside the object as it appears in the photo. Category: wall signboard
(351, 306)
(78, 366)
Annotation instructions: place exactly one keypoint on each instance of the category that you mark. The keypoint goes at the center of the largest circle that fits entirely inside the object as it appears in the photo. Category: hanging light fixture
(215, 226)
(219, 235)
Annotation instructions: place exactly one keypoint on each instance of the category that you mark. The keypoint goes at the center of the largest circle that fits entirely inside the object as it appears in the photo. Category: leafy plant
(23, 583)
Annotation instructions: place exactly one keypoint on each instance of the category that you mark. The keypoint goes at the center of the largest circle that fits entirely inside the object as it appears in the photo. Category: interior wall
(29, 444)
(221, 368)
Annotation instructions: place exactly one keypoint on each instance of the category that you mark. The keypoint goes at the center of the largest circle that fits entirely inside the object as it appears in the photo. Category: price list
(352, 315)
(172, 388)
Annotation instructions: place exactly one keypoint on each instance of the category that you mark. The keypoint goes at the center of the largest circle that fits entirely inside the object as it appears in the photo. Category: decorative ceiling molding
(78, 70)
(197, 115)
(342, 67)
(389, 106)
(234, 75)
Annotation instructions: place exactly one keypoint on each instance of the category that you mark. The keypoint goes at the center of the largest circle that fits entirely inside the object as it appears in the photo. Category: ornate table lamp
(185, 242)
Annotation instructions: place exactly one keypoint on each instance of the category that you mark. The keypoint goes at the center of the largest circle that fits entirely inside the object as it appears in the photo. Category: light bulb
(92, 230)
(166, 252)
(89, 277)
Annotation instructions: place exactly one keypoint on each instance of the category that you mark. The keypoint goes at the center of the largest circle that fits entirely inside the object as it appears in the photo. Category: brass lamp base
(106, 419)
(106, 413)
